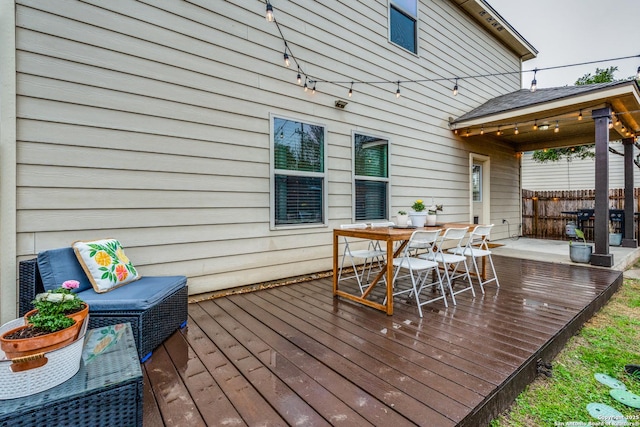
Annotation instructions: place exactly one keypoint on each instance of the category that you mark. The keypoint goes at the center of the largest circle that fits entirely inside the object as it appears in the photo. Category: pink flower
(71, 284)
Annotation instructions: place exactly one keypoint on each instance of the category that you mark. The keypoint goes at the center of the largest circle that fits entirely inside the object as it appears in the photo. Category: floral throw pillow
(105, 264)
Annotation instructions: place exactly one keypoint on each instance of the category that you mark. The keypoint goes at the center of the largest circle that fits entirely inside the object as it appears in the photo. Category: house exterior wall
(574, 175)
(148, 121)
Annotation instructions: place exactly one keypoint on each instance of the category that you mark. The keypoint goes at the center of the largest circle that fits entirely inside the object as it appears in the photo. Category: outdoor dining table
(390, 235)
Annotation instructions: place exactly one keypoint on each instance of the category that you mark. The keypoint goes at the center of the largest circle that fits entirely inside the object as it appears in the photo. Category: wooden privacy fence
(542, 215)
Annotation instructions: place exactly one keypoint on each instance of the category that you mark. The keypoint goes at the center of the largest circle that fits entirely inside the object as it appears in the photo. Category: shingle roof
(525, 98)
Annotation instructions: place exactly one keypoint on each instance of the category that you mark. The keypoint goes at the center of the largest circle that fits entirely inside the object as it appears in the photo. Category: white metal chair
(419, 268)
(478, 247)
(450, 261)
(373, 254)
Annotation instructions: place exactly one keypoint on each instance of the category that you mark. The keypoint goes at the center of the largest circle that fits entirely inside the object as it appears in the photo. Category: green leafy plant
(580, 235)
(418, 206)
(402, 212)
(433, 209)
(54, 306)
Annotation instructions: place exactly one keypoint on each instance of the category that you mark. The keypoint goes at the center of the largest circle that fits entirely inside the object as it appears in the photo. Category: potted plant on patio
(580, 252)
(432, 213)
(402, 219)
(418, 215)
(56, 321)
(615, 239)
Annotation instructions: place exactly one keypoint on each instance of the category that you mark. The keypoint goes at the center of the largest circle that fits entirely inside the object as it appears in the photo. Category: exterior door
(479, 185)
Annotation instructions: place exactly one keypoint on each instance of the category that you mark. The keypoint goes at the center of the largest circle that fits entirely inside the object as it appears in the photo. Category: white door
(479, 185)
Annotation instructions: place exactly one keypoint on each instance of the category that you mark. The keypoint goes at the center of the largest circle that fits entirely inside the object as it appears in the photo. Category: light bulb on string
(534, 82)
(557, 128)
(305, 84)
(313, 91)
(287, 63)
(398, 90)
(535, 125)
(269, 14)
(482, 130)
(580, 115)
(610, 124)
(499, 131)
(299, 78)
(455, 88)
(351, 90)
(516, 131)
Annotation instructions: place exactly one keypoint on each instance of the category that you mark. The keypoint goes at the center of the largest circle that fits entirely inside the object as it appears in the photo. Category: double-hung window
(298, 187)
(403, 24)
(371, 177)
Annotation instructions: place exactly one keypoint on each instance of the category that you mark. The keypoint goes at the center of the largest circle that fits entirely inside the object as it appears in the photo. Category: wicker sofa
(155, 306)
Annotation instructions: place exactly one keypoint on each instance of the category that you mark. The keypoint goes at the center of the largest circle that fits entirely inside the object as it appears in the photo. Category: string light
(535, 125)
(534, 83)
(269, 15)
(557, 129)
(499, 132)
(299, 78)
(610, 124)
(351, 90)
(516, 131)
(482, 130)
(314, 88)
(288, 56)
(580, 115)
(305, 85)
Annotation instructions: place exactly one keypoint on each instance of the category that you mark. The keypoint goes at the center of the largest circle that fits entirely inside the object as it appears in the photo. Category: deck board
(295, 355)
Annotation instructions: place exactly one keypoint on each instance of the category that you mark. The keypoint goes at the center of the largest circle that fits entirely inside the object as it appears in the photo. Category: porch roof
(551, 107)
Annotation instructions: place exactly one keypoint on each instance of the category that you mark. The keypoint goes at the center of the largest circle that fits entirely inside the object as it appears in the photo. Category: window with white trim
(403, 24)
(371, 177)
(298, 178)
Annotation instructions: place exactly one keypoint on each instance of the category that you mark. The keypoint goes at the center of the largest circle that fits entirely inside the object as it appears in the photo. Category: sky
(574, 31)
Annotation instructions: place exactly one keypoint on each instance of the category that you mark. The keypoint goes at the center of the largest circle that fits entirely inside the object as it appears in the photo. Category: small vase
(402, 220)
(431, 220)
(418, 219)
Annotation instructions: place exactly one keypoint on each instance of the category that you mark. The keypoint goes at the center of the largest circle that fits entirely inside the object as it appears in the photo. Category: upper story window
(371, 177)
(403, 24)
(298, 191)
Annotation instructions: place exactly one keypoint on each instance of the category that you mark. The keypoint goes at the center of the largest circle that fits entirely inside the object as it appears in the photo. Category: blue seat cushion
(58, 265)
(139, 295)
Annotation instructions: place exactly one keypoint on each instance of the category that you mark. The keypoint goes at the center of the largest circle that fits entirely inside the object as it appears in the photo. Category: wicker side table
(106, 391)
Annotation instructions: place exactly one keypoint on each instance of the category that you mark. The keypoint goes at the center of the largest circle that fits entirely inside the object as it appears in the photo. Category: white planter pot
(418, 219)
(402, 220)
(431, 220)
(579, 252)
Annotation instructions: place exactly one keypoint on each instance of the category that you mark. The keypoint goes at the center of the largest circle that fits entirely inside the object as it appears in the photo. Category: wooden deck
(294, 355)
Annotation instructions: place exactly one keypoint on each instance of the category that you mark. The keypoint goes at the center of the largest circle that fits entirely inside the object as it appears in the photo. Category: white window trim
(353, 173)
(389, 2)
(272, 175)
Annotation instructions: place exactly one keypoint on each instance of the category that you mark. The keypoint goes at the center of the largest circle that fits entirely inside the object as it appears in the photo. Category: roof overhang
(495, 24)
(564, 113)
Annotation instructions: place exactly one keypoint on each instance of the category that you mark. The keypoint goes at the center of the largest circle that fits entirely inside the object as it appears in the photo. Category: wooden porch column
(628, 240)
(601, 255)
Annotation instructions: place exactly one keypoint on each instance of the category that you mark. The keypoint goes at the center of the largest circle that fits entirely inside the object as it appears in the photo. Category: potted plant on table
(432, 213)
(402, 219)
(580, 252)
(418, 215)
(55, 322)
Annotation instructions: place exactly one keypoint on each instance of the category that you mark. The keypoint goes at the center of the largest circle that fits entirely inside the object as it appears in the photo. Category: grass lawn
(608, 342)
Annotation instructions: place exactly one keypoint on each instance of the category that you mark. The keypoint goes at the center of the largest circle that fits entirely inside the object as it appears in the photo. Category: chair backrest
(452, 237)
(480, 235)
(423, 239)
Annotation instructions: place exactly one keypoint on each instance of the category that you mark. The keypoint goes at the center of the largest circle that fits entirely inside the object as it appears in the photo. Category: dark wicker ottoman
(106, 391)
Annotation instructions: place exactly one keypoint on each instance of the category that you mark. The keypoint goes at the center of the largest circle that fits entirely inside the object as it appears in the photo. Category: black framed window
(371, 177)
(403, 24)
(299, 183)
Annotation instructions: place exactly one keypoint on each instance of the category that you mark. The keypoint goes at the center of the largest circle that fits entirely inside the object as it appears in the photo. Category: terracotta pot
(14, 348)
(78, 316)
